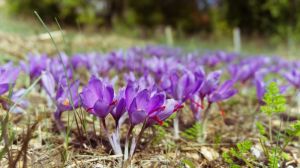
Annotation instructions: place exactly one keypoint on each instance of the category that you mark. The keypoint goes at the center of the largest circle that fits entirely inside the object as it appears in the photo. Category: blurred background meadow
(239, 28)
(266, 26)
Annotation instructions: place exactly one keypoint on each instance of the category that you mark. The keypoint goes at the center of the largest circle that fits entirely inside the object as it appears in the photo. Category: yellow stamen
(66, 102)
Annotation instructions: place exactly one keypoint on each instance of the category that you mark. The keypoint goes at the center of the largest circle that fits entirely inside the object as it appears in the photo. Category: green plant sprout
(241, 152)
(193, 133)
(274, 153)
(274, 103)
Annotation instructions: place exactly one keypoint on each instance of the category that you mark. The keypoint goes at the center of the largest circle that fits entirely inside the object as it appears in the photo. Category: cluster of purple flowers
(147, 84)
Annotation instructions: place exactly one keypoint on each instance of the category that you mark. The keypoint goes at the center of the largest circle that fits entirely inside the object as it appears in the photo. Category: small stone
(194, 156)
(209, 153)
(256, 152)
(276, 123)
(98, 166)
(172, 155)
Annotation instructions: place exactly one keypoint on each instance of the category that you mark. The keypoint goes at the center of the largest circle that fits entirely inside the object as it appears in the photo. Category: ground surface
(46, 149)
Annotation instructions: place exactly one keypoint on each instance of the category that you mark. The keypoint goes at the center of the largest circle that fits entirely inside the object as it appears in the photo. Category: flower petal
(155, 102)
(136, 116)
(4, 88)
(48, 83)
(142, 99)
(120, 109)
(101, 109)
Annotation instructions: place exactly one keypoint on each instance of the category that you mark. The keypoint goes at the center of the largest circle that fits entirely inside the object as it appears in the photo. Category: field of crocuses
(153, 106)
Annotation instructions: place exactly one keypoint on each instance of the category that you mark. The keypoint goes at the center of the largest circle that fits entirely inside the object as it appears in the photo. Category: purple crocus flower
(36, 64)
(293, 77)
(192, 61)
(145, 105)
(22, 103)
(260, 89)
(210, 84)
(170, 107)
(79, 61)
(97, 63)
(189, 84)
(116, 59)
(247, 68)
(224, 92)
(131, 90)
(261, 86)
(162, 51)
(182, 88)
(159, 66)
(56, 67)
(226, 57)
(120, 109)
(210, 60)
(49, 83)
(213, 59)
(8, 76)
(65, 97)
(121, 60)
(97, 98)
